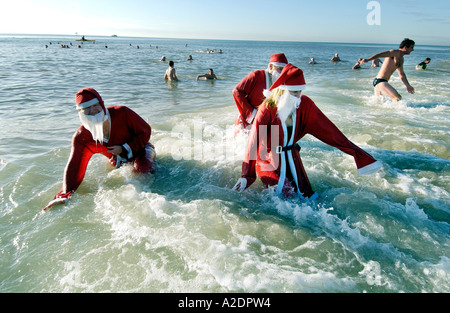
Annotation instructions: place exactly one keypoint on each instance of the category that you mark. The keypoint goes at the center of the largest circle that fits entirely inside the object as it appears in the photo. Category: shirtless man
(170, 72)
(393, 61)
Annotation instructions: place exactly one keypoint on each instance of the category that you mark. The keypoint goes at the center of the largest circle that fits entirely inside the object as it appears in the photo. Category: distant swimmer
(376, 63)
(357, 66)
(394, 60)
(423, 65)
(336, 58)
(312, 61)
(163, 59)
(117, 132)
(170, 72)
(249, 93)
(189, 58)
(209, 75)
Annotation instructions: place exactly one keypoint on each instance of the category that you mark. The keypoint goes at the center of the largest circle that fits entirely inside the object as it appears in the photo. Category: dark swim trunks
(376, 81)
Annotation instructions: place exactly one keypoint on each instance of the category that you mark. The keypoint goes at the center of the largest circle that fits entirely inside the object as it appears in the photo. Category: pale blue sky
(426, 22)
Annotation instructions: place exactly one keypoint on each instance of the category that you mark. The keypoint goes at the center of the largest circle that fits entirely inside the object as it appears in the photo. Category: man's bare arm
(385, 54)
(402, 75)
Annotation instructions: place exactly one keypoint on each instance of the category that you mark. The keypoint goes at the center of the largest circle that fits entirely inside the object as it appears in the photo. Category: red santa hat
(278, 59)
(87, 97)
(291, 79)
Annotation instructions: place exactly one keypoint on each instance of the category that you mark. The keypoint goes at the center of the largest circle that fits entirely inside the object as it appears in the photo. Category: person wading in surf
(117, 132)
(282, 120)
(393, 61)
(249, 93)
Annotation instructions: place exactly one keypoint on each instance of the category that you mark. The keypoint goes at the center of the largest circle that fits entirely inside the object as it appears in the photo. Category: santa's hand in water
(240, 185)
(60, 198)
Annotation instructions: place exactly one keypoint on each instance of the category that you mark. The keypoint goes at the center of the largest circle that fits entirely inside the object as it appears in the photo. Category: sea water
(183, 229)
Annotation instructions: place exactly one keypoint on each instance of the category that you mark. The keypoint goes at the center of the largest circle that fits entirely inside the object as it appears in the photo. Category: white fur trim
(267, 93)
(370, 169)
(87, 104)
(293, 88)
(278, 64)
(314, 196)
(290, 159)
(241, 183)
(129, 152)
(250, 119)
(266, 73)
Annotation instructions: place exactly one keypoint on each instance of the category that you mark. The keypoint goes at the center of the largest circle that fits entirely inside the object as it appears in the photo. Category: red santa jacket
(248, 94)
(127, 127)
(269, 134)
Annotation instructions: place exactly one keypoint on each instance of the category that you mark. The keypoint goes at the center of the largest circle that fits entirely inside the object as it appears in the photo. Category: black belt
(287, 148)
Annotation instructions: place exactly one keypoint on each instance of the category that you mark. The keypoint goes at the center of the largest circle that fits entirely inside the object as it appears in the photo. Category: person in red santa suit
(116, 132)
(282, 120)
(248, 94)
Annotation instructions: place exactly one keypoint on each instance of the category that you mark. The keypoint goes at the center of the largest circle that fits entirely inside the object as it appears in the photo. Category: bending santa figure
(116, 132)
(248, 94)
(282, 120)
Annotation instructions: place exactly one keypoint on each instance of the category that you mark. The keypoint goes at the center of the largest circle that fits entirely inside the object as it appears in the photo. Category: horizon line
(181, 38)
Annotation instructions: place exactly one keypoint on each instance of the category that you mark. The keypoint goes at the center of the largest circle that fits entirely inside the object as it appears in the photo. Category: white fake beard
(287, 104)
(275, 76)
(94, 123)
